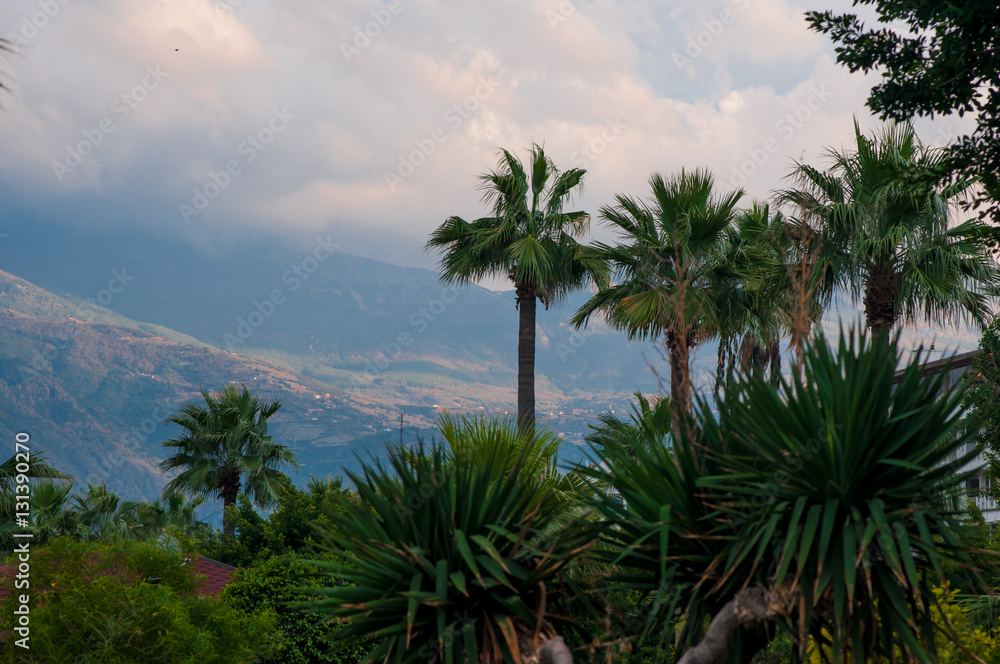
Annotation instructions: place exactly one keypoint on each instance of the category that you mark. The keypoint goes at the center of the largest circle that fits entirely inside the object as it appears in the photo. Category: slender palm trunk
(229, 488)
(678, 348)
(774, 356)
(754, 357)
(526, 302)
(720, 368)
(880, 300)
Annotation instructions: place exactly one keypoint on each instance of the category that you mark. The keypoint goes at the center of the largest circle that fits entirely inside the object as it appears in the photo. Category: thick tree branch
(750, 608)
(548, 651)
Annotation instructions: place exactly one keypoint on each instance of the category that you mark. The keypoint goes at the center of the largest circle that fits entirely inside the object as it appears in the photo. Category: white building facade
(956, 368)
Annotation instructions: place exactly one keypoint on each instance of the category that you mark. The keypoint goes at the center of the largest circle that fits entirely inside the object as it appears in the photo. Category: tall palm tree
(670, 255)
(750, 295)
(901, 254)
(224, 440)
(529, 239)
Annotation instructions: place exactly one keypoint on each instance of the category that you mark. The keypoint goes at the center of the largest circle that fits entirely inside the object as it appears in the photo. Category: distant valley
(346, 343)
(103, 337)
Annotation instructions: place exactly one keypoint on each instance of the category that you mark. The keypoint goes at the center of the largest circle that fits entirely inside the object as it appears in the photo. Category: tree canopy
(946, 61)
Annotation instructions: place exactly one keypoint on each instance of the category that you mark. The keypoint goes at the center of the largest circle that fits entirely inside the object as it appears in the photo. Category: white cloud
(598, 86)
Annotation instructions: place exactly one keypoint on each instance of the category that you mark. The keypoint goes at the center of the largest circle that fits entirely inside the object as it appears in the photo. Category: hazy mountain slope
(94, 394)
(340, 318)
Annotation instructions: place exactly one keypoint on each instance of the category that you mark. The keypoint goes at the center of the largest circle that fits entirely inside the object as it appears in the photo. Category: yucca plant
(658, 535)
(451, 562)
(860, 466)
(534, 455)
(823, 506)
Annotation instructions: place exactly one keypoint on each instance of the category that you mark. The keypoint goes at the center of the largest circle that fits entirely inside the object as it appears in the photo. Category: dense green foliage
(891, 243)
(982, 401)
(832, 490)
(53, 510)
(938, 58)
(295, 526)
(127, 603)
(273, 585)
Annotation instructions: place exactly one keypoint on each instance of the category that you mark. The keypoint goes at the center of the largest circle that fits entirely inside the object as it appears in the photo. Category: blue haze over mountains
(332, 331)
(327, 349)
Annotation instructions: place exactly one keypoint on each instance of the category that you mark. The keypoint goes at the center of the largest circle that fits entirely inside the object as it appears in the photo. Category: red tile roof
(215, 575)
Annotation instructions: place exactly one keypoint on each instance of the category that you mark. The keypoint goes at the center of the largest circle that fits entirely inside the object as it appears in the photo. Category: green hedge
(271, 586)
(93, 603)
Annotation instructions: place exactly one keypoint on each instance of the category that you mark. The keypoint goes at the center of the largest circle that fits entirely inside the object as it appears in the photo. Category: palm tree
(670, 256)
(821, 507)
(528, 239)
(763, 301)
(38, 468)
(175, 514)
(751, 295)
(224, 440)
(649, 423)
(900, 255)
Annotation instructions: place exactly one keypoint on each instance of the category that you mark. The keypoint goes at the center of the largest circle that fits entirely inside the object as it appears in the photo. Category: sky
(221, 120)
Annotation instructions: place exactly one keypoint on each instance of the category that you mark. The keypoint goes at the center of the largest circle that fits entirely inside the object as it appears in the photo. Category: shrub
(96, 603)
(269, 586)
(292, 528)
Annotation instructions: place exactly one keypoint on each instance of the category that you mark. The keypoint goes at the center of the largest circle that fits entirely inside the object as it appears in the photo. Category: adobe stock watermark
(226, 8)
(587, 153)
(453, 118)
(713, 28)
(217, 182)
(420, 320)
(574, 343)
(561, 13)
(32, 24)
(41, 359)
(785, 128)
(364, 34)
(135, 437)
(294, 277)
(122, 108)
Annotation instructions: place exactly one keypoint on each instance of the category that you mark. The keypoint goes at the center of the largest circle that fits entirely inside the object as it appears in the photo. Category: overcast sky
(214, 119)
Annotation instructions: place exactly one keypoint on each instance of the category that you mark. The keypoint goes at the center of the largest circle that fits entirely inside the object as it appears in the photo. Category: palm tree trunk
(526, 359)
(680, 380)
(774, 356)
(880, 300)
(720, 368)
(229, 488)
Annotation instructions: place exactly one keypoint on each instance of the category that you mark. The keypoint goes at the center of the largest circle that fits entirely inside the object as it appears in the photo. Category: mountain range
(102, 340)
(103, 336)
